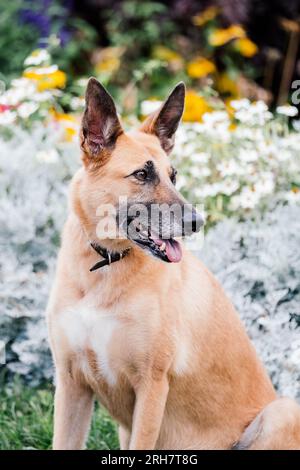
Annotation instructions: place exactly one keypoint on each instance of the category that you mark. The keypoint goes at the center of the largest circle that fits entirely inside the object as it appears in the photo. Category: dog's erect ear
(100, 124)
(164, 122)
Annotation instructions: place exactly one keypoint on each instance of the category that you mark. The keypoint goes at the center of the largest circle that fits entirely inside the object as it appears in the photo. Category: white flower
(248, 155)
(7, 117)
(247, 199)
(21, 90)
(295, 358)
(82, 82)
(181, 181)
(205, 172)
(256, 114)
(46, 70)
(240, 104)
(265, 185)
(242, 115)
(26, 109)
(292, 196)
(37, 57)
(296, 125)
(42, 96)
(230, 167)
(287, 110)
(48, 156)
(215, 118)
(149, 106)
(196, 172)
(259, 107)
(216, 124)
(209, 190)
(77, 103)
(199, 157)
(228, 187)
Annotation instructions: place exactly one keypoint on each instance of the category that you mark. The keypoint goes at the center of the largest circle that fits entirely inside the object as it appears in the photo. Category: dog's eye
(173, 176)
(141, 175)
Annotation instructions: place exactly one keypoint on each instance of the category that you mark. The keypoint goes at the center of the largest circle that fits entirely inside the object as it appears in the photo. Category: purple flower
(38, 14)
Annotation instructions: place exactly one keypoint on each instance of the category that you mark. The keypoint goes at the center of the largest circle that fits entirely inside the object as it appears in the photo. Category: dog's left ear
(164, 122)
(100, 123)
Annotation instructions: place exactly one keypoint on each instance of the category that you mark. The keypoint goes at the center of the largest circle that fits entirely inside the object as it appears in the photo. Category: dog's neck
(111, 282)
(134, 259)
(108, 256)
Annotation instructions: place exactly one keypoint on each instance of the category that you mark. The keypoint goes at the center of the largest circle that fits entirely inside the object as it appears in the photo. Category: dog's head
(133, 168)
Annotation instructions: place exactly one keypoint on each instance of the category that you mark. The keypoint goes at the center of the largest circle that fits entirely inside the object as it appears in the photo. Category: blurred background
(237, 153)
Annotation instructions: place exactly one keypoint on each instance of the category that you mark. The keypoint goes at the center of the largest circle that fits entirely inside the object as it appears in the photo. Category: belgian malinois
(137, 321)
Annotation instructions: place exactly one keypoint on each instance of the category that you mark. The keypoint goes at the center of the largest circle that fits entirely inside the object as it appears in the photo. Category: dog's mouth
(168, 250)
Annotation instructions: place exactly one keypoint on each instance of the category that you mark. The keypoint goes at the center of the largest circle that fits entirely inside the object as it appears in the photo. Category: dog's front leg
(124, 438)
(151, 396)
(72, 414)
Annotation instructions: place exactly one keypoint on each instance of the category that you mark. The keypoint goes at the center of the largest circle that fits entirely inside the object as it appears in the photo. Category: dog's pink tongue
(173, 251)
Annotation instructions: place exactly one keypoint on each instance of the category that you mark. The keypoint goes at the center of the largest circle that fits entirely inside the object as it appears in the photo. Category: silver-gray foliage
(32, 210)
(258, 264)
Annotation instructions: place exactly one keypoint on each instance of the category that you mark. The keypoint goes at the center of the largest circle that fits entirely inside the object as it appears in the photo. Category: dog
(138, 321)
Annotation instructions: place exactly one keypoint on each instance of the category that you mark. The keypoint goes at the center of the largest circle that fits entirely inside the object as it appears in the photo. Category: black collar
(109, 256)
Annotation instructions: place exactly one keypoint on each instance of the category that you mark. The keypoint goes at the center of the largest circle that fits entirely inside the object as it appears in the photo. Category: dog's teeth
(162, 247)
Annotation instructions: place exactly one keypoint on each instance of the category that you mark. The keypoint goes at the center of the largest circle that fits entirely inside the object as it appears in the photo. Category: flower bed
(238, 159)
(257, 263)
(34, 169)
(238, 162)
(234, 158)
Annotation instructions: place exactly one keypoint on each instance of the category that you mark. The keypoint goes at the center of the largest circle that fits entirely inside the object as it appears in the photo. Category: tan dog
(156, 340)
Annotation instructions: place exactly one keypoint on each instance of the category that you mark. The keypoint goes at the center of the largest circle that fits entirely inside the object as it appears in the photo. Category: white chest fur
(89, 328)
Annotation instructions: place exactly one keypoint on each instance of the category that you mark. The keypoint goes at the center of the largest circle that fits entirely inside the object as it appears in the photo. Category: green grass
(26, 420)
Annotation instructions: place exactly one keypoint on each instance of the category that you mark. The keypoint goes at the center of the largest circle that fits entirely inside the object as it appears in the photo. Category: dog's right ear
(100, 124)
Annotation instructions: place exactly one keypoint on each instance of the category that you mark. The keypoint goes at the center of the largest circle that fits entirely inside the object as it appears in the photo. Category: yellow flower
(200, 67)
(219, 37)
(226, 85)
(173, 59)
(295, 189)
(69, 123)
(46, 77)
(195, 107)
(108, 60)
(110, 64)
(164, 53)
(205, 16)
(70, 133)
(246, 47)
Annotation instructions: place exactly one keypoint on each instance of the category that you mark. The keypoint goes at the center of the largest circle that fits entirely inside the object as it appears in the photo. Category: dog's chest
(91, 333)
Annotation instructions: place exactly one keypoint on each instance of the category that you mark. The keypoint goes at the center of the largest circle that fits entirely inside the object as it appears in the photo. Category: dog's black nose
(192, 222)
